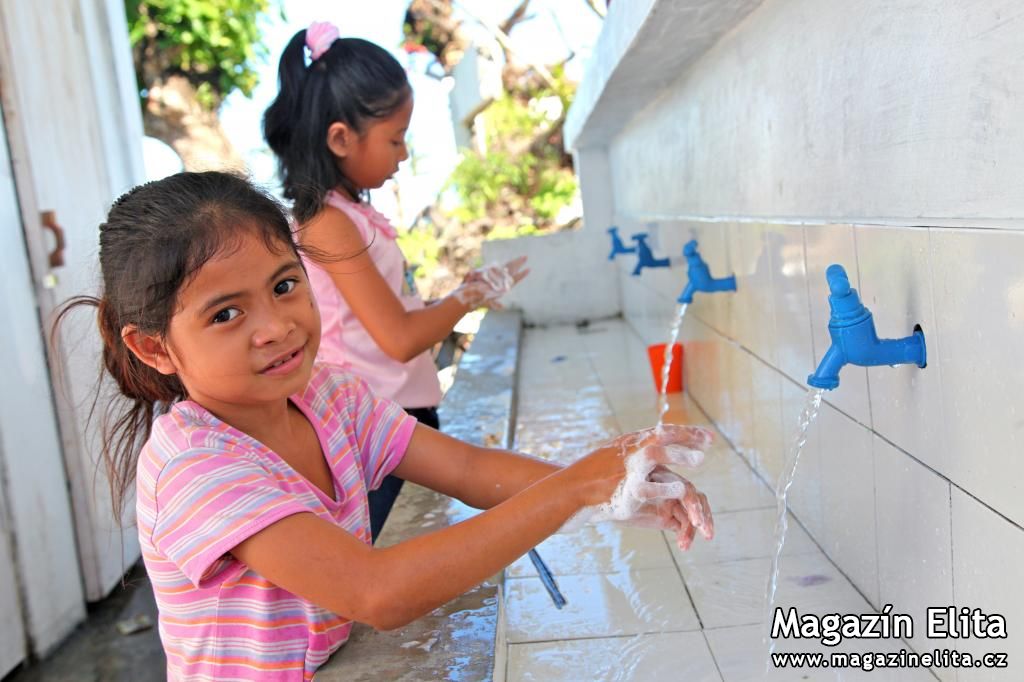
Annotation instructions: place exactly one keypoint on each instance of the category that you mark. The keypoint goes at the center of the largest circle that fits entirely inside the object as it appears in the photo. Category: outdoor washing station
(784, 137)
(781, 158)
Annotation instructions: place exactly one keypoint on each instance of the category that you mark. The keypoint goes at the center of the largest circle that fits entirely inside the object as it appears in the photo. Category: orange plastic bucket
(656, 355)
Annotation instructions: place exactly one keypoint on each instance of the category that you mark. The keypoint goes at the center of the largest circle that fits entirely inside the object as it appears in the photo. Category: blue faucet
(700, 276)
(617, 245)
(854, 340)
(646, 258)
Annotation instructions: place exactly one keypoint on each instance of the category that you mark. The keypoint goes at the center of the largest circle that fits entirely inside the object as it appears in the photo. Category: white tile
(741, 655)
(792, 304)
(681, 410)
(700, 363)
(744, 535)
(896, 285)
(828, 244)
(848, 488)
(805, 496)
(563, 441)
(628, 397)
(733, 592)
(600, 548)
(666, 656)
(767, 448)
(735, 401)
(914, 539)
(979, 294)
(729, 488)
(753, 319)
(599, 605)
(988, 556)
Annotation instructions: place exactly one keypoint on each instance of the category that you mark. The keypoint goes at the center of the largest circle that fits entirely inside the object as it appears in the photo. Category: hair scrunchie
(319, 37)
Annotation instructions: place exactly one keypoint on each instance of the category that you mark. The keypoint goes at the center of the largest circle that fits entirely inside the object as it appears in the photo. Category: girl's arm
(480, 477)
(402, 334)
(390, 587)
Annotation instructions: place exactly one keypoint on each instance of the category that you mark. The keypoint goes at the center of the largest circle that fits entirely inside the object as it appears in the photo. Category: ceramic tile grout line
(851, 329)
(812, 406)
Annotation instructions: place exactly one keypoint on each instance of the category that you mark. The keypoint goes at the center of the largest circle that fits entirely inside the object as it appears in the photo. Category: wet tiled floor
(638, 608)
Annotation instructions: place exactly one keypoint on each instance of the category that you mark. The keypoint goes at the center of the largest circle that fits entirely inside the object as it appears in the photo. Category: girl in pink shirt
(251, 482)
(338, 129)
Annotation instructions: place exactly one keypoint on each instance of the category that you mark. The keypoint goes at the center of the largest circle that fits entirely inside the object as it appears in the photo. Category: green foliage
(556, 188)
(215, 44)
(513, 231)
(521, 175)
(481, 181)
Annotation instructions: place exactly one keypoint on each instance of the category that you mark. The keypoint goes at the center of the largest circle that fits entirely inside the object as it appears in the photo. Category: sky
(557, 27)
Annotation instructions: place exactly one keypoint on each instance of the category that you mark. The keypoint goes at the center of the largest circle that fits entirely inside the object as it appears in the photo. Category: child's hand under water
(628, 481)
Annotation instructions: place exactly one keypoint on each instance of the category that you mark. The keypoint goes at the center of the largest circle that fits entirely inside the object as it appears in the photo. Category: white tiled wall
(782, 157)
(892, 446)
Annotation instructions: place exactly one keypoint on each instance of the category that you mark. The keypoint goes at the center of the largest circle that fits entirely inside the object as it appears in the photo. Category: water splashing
(666, 364)
(811, 406)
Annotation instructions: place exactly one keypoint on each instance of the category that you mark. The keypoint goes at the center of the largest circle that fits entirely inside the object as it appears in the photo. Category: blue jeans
(383, 498)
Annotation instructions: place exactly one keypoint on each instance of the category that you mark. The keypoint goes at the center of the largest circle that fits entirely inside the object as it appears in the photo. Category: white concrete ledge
(630, 64)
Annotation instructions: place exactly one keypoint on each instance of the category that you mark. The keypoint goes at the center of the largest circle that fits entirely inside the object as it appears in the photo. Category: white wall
(570, 277)
(884, 135)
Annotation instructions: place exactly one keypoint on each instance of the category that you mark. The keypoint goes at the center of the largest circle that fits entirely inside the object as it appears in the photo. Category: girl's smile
(286, 363)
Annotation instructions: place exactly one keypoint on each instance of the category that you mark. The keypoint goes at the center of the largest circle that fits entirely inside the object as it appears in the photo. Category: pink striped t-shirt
(345, 341)
(203, 487)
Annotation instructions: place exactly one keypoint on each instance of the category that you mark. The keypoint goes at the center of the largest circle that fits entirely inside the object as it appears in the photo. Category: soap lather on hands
(484, 286)
(647, 493)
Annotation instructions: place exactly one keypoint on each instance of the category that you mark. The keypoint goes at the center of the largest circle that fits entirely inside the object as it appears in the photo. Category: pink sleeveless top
(346, 342)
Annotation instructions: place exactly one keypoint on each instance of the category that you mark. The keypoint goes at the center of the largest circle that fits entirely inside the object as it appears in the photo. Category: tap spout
(854, 339)
(617, 245)
(646, 257)
(700, 276)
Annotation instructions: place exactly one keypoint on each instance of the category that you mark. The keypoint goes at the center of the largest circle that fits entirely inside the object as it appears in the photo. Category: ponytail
(282, 114)
(352, 82)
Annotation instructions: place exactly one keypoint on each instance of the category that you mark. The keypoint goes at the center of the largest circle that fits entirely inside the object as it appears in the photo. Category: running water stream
(666, 364)
(807, 416)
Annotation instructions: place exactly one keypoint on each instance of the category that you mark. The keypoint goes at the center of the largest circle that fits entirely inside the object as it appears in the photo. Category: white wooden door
(16, 306)
(72, 97)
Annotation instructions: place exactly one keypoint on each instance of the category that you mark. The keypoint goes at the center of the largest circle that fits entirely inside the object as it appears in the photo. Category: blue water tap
(617, 245)
(700, 276)
(854, 340)
(646, 258)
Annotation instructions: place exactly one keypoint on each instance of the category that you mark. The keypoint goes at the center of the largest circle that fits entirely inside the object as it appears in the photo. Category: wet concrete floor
(97, 651)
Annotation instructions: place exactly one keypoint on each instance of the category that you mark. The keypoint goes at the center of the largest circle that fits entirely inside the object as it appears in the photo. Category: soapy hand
(683, 512)
(486, 285)
(632, 485)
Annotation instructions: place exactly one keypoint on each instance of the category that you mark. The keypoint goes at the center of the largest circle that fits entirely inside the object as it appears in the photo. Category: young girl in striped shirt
(251, 482)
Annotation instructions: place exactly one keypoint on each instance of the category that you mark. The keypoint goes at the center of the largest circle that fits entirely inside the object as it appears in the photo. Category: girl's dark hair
(352, 82)
(154, 241)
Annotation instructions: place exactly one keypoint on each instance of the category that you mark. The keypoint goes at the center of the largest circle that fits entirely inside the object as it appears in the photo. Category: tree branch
(517, 15)
(506, 44)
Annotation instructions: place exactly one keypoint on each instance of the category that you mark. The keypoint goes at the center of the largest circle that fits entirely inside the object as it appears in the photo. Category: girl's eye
(226, 315)
(285, 286)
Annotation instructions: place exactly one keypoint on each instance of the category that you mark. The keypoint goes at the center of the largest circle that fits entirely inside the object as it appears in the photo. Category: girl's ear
(341, 139)
(149, 349)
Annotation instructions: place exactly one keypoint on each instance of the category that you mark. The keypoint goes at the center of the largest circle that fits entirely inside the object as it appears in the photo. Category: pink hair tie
(319, 37)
